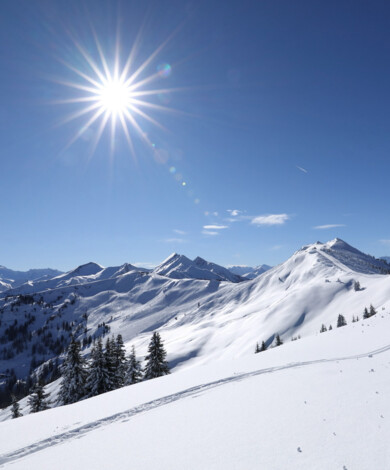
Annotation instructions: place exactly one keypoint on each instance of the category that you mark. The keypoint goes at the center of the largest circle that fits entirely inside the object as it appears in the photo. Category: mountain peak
(87, 269)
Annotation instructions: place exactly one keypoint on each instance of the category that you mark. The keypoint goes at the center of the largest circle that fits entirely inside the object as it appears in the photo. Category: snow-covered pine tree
(257, 349)
(38, 400)
(278, 340)
(323, 328)
(74, 374)
(341, 321)
(263, 347)
(365, 313)
(110, 359)
(156, 365)
(372, 310)
(15, 408)
(356, 286)
(120, 362)
(134, 369)
(330, 327)
(98, 378)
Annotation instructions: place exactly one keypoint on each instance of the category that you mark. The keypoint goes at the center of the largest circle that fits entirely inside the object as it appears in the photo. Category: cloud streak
(215, 227)
(325, 227)
(302, 169)
(210, 232)
(270, 219)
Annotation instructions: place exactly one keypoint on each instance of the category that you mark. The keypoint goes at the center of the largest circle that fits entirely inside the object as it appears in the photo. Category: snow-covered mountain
(386, 258)
(180, 267)
(249, 272)
(318, 403)
(200, 320)
(86, 273)
(10, 278)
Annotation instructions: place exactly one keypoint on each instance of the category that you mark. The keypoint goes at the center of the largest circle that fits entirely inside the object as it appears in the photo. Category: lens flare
(164, 70)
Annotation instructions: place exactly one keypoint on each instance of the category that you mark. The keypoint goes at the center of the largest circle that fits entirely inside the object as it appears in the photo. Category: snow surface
(317, 403)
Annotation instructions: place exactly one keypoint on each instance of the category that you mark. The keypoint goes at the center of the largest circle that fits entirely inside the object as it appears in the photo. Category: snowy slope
(180, 267)
(4, 286)
(249, 272)
(203, 321)
(318, 403)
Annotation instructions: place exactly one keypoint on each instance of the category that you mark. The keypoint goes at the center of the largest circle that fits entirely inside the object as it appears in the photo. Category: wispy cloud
(215, 227)
(385, 242)
(179, 232)
(325, 227)
(234, 212)
(270, 219)
(146, 265)
(302, 169)
(174, 240)
(209, 232)
(276, 247)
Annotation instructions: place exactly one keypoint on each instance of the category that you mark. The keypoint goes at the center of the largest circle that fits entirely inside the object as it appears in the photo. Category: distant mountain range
(248, 272)
(10, 278)
(203, 310)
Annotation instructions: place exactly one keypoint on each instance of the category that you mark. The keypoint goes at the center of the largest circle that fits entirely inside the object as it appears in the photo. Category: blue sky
(280, 132)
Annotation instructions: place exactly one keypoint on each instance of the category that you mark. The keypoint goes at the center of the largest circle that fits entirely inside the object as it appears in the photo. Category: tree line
(108, 369)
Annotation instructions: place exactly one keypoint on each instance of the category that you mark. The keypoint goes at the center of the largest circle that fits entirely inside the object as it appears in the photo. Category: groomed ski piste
(321, 403)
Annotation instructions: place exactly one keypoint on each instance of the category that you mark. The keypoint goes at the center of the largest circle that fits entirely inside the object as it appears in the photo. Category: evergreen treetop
(156, 365)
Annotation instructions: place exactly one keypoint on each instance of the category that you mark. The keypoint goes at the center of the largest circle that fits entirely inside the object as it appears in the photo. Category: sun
(119, 95)
(114, 97)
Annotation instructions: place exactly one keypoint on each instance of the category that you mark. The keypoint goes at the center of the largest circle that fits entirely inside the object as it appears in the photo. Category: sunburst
(116, 96)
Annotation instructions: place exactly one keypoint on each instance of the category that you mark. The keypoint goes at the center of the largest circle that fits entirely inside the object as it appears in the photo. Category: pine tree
(38, 400)
(372, 310)
(279, 341)
(356, 286)
(156, 365)
(98, 378)
(353, 319)
(15, 409)
(74, 374)
(365, 313)
(323, 328)
(330, 327)
(110, 363)
(341, 321)
(120, 362)
(257, 349)
(263, 346)
(134, 369)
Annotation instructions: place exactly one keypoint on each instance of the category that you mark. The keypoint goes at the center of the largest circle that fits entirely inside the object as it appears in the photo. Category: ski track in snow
(124, 416)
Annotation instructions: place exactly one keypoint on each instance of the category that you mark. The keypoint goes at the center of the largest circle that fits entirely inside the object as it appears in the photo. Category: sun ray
(99, 133)
(114, 93)
(148, 118)
(152, 56)
(157, 107)
(86, 126)
(80, 73)
(80, 113)
(128, 137)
